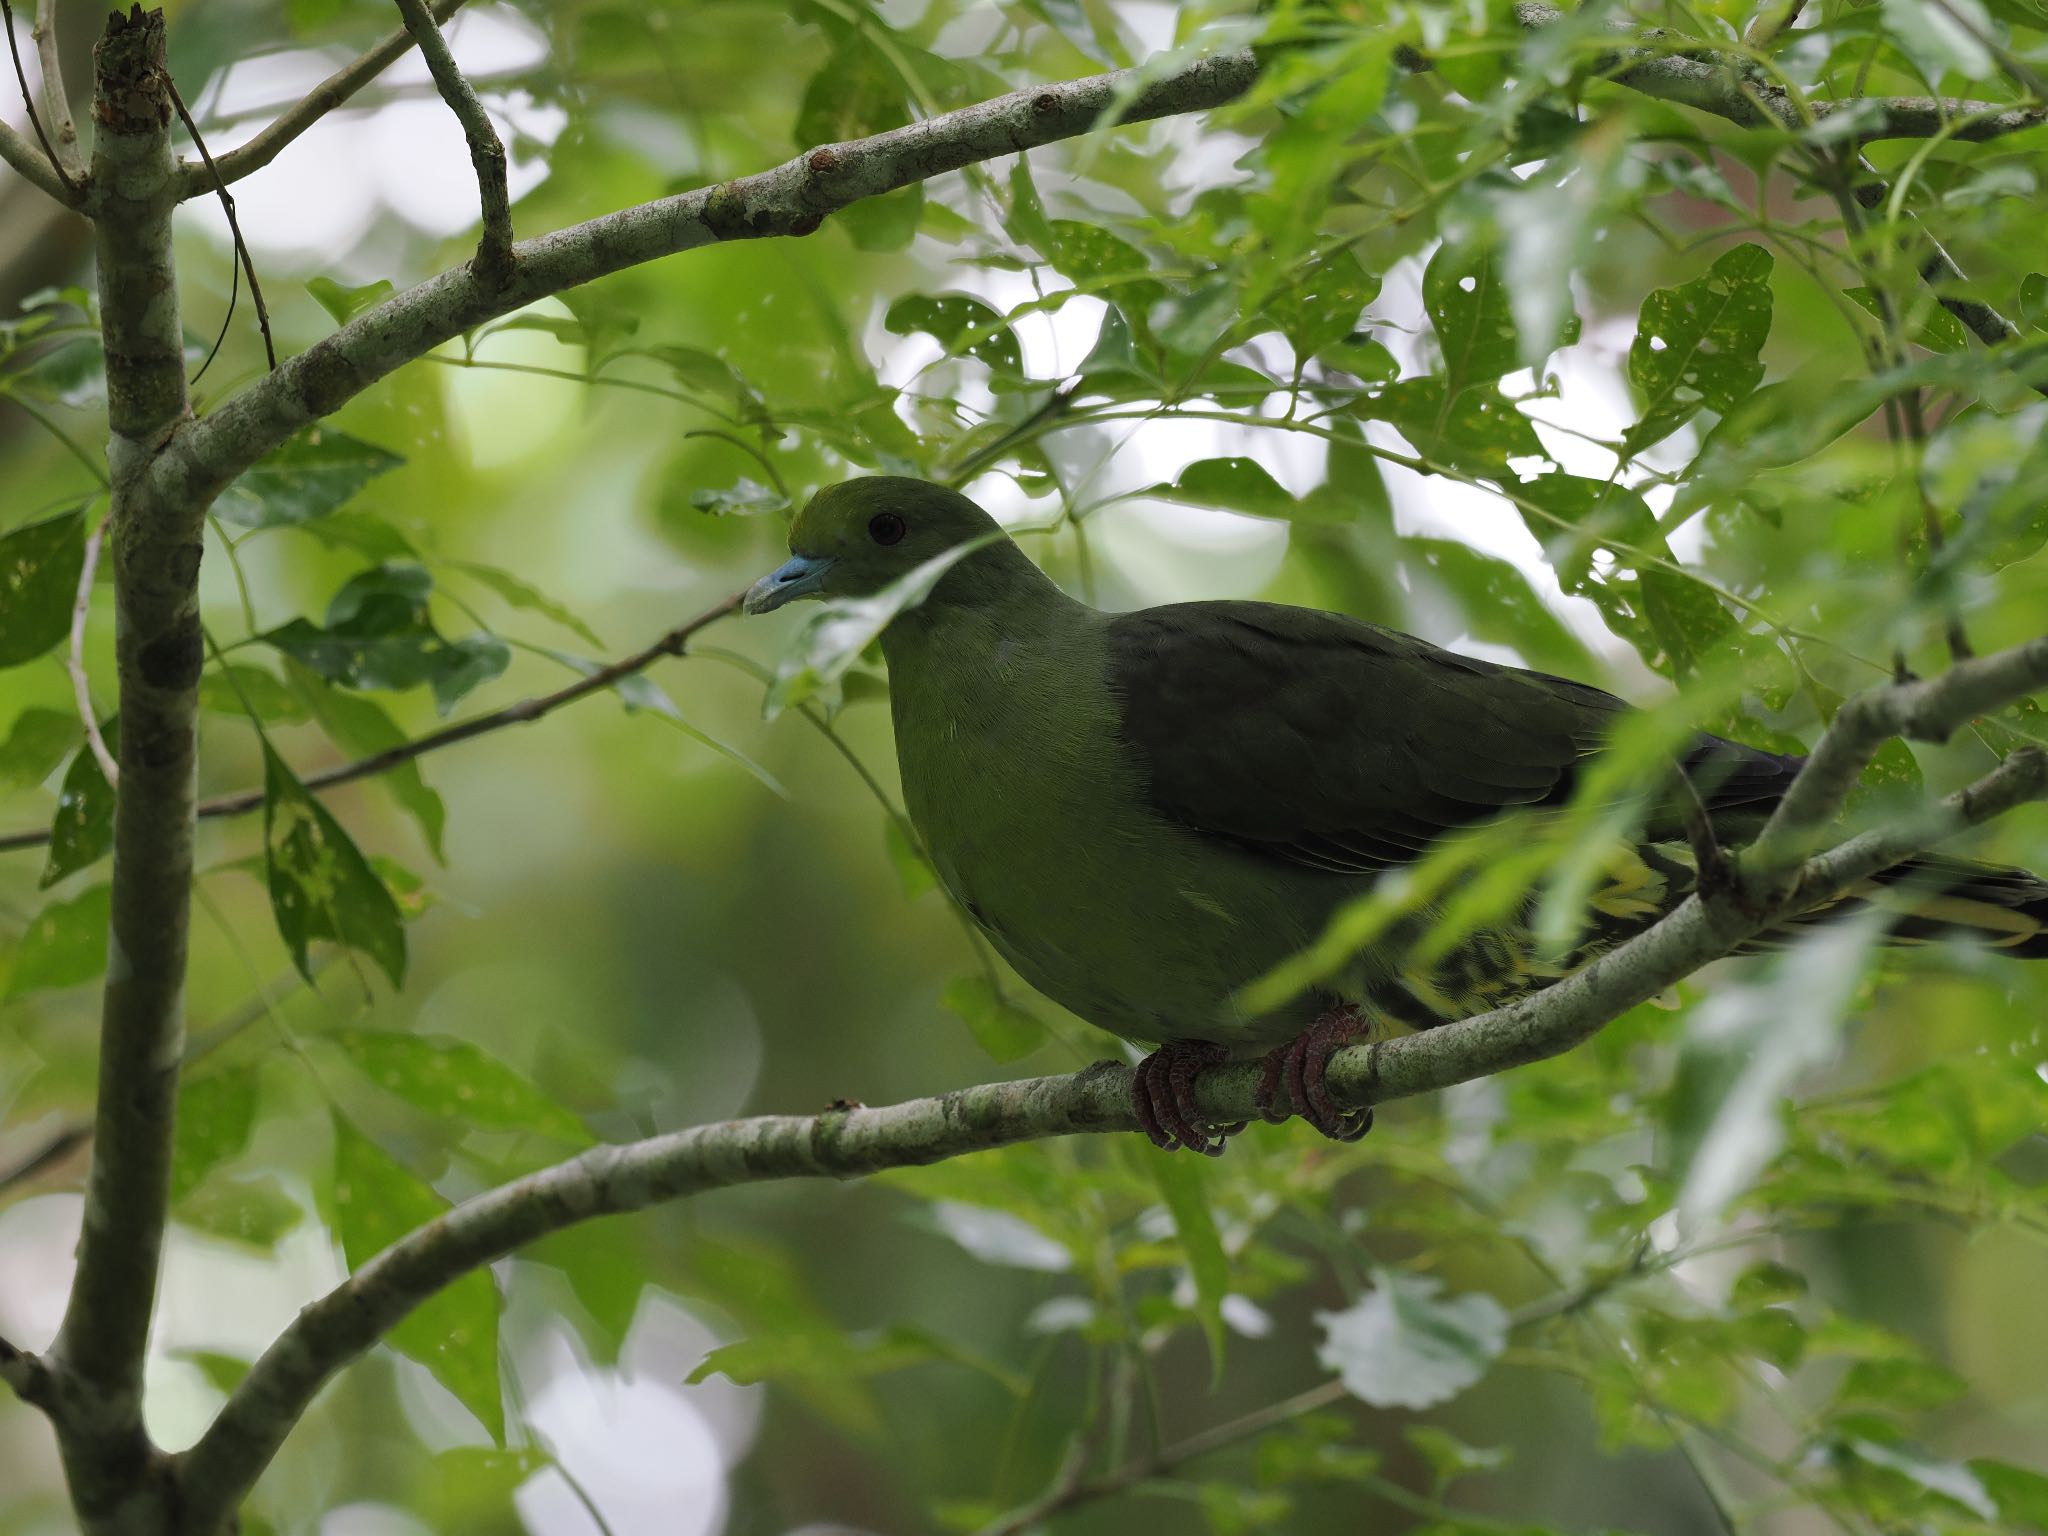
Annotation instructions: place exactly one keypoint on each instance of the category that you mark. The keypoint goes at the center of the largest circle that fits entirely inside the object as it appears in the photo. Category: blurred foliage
(1493, 349)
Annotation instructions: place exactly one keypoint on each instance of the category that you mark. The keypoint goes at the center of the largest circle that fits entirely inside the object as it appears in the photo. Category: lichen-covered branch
(486, 152)
(195, 180)
(38, 162)
(220, 1468)
(792, 199)
(96, 1363)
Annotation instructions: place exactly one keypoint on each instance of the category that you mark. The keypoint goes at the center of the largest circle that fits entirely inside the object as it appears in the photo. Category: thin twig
(81, 684)
(486, 151)
(44, 32)
(522, 713)
(195, 180)
(227, 204)
(35, 121)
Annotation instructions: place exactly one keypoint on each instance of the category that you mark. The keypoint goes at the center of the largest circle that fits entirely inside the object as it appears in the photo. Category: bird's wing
(1338, 745)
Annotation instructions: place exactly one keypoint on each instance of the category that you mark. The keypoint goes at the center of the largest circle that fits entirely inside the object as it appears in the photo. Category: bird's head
(859, 535)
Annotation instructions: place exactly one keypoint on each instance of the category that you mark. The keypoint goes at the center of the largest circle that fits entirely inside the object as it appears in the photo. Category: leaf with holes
(454, 1332)
(312, 475)
(962, 324)
(1469, 309)
(321, 887)
(1476, 430)
(1697, 345)
(39, 569)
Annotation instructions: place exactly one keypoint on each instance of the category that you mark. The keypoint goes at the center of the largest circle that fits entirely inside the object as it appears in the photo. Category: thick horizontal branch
(524, 712)
(220, 1468)
(792, 199)
(195, 180)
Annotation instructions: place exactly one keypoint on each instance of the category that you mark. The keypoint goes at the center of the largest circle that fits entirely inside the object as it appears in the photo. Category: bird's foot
(1302, 1064)
(1163, 1094)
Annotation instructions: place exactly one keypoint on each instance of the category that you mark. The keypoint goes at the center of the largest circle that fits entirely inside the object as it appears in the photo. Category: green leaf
(1469, 308)
(35, 745)
(39, 568)
(360, 727)
(1183, 1181)
(1450, 1458)
(1697, 345)
(453, 1080)
(1744, 1049)
(66, 945)
(1766, 1283)
(745, 497)
(1499, 605)
(310, 476)
(2034, 300)
(470, 1488)
(454, 1332)
(216, 1113)
(830, 641)
(346, 303)
(1942, 35)
(524, 595)
(913, 871)
(1684, 615)
(321, 887)
(1322, 306)
(1475, 430)
(887, 222)
(223, 1373)
(787, 1357)
(255, 1212)
(379, 634)
(637, 691)
(1235, 484)
(1594, 514)
(705, 374)
(962, 324)
(1936, 329)
(854, 93)
(2021, 1493)
(237, 689)
(999, 1026)
(1950, 1481)
(1402, 1346)
(82, 832)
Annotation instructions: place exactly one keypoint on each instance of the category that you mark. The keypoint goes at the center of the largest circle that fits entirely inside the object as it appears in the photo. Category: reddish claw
(1303, 1064)
(1163, 1094)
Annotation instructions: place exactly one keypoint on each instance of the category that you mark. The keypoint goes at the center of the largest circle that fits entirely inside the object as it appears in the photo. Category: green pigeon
(1146, 811)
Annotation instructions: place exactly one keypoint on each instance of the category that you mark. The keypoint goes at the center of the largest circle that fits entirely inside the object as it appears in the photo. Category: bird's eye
(886, 528)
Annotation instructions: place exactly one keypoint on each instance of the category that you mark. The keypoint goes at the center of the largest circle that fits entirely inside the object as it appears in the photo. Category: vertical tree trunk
(118, 1479)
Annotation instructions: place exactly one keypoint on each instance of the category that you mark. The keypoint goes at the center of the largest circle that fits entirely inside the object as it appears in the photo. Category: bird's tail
(1933, 897)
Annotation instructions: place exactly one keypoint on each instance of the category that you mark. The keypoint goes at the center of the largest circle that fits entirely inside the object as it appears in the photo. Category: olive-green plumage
(1147, 811)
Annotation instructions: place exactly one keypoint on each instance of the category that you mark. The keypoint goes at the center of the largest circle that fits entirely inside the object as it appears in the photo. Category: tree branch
(792, 199)
(1717, 88)
(195, 180)
(51, 64)
(45, 170)
(98, 1357)
(524, 712)
(221, 1467)
(494, 246)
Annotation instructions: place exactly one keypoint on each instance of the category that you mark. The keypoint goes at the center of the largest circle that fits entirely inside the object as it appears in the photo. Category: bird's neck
(994, 595)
